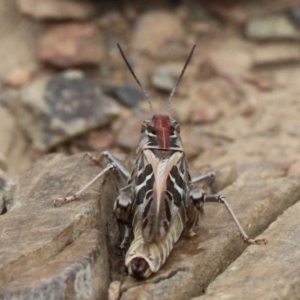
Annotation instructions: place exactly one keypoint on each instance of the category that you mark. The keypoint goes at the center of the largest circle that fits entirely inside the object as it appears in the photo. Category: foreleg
(112, 159)
(75, 196)
(209, 177)
(114, 165)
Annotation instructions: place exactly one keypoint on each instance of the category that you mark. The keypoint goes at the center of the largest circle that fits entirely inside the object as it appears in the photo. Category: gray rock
(271, 27)
(57, 9)
(127, 94)
(295, 14)
(54, 109)
(270, 272)
(197, 12)
(166, 76)
(49, 252)
(193, 263)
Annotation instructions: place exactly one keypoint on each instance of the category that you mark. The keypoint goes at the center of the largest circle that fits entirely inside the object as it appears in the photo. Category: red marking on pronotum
(161, 125)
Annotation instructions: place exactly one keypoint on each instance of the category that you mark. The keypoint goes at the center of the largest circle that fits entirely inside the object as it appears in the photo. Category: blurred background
(64, 86)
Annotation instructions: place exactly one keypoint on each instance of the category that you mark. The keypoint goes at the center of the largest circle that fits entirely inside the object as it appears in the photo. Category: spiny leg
(222, 199)
(123, 203)
(197, 199)
(210, 177)
(111, 158)
(75, 196)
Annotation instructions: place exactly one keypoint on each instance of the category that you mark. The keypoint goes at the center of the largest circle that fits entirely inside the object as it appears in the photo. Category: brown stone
(240, 12)
(270, 54)
(294, 168)
(19, 35)
(72, 44)
(100, 140)
(114, 290)
(13, 145)
(49, 252)
(270, 272)
(163, 40)
(128, 135)
(206, 115)
(18, 76)
(57, 9)
(257, 200)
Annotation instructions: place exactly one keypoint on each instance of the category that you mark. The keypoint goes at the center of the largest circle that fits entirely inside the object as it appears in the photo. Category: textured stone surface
(72, 44)
(57, 9)
(53, 109)
(259, 273)
(257, 197)
(55, 253)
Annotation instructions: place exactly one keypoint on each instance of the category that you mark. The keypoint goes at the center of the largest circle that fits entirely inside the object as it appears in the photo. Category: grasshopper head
(162, 125)
(161, 132)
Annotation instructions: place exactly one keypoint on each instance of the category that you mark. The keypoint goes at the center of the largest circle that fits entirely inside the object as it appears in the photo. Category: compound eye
(143, 128)
(152, 134)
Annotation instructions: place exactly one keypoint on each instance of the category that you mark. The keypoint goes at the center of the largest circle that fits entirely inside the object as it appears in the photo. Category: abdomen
(143, 259)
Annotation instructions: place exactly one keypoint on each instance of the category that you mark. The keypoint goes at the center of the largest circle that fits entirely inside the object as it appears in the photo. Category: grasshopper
(159, 200)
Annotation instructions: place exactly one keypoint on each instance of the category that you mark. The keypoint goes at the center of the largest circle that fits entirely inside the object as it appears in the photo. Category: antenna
(176, 85)
(138, 82)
